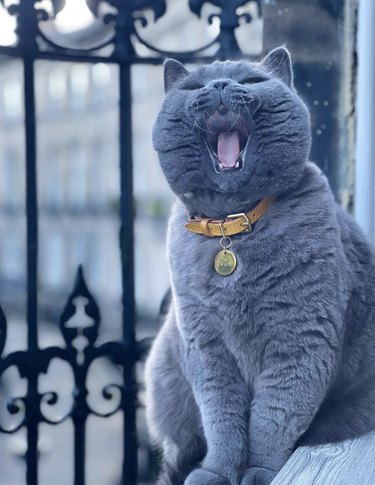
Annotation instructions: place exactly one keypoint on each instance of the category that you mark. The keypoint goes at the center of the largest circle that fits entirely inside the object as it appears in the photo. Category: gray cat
(281, 352)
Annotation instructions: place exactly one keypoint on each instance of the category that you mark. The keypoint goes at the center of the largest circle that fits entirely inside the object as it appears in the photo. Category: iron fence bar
(32, 269)
(130, 462)
(71, 56)
(79, 421)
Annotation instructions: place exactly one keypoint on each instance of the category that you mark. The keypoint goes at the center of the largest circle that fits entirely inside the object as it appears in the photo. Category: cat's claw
(258, 476)
(201, 476)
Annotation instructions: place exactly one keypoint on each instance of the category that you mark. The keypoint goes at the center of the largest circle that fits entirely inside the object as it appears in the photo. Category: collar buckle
(246, 223)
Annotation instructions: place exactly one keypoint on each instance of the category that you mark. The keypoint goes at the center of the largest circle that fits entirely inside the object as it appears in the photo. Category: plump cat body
(280, 352)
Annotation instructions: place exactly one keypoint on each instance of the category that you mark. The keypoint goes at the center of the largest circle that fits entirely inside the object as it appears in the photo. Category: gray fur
(282, 352)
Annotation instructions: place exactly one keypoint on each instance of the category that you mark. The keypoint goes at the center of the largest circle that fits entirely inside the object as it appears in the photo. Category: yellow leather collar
(232, 224)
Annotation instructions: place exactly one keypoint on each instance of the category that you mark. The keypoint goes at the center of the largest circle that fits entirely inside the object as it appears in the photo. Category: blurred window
(96, 256)
(12, 258)
(78, 250)
(98, 193)
(13, 194)
(77, 176)
(79, 85)
(101, 91)
(54, 260)
(57, 88)
(12, 98)
(54, 178)
(101, 75)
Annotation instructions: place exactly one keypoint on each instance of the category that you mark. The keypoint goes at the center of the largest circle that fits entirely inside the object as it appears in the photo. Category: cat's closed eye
(191, 86)
(253, 80)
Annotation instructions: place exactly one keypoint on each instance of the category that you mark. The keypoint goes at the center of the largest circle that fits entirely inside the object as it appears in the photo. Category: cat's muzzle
(227, 138)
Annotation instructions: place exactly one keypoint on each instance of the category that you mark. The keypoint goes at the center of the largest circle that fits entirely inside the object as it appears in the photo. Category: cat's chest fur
(290, 248)
(192, 265)
(228, 305)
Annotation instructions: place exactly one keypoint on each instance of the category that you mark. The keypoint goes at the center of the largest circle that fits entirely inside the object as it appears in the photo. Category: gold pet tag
(225, 262)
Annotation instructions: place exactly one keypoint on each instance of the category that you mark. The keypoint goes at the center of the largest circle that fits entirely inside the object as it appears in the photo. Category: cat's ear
(173, 72)
(279, 63)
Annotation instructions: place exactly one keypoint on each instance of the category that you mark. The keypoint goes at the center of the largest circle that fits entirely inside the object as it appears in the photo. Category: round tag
(225, 262)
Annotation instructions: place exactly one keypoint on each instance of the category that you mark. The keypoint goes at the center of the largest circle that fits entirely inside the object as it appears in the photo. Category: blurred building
(78, 177)
(78, 173)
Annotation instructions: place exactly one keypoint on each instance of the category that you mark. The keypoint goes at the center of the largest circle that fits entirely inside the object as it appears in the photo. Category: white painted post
(365, 144)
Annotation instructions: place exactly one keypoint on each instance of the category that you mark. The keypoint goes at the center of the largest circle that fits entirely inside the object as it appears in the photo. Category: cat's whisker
(246, 106)
(233, 124)
(203, 129)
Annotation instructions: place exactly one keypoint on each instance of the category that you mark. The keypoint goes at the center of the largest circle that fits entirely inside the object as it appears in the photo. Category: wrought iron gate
(124, 20)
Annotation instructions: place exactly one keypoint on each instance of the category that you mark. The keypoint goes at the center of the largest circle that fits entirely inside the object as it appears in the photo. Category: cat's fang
(223, 168)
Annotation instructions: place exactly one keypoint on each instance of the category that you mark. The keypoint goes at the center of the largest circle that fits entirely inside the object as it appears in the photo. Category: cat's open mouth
(227, 138)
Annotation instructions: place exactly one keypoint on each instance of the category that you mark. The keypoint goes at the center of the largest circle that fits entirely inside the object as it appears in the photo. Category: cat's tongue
(228, 148)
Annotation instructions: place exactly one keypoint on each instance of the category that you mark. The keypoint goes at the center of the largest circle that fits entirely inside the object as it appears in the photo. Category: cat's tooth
(237, 164)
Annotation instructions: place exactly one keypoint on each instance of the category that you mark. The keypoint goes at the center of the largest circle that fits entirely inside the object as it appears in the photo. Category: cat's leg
(172, 413)
(301, 329)
(221, 395)
(287, 395)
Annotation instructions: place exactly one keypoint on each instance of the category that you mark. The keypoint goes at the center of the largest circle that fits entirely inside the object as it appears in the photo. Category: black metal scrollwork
(122, 23)
(15, 406)
(29, 14)
(229, 21)
(79, 323)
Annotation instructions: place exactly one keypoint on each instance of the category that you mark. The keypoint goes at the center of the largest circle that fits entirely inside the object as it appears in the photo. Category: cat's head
(231, 133)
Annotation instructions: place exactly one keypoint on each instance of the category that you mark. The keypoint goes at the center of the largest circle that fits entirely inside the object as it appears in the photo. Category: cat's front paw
(257, 475)
(201, 476)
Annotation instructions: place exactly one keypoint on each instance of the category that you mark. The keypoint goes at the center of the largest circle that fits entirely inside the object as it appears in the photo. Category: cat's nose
(221, 84)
